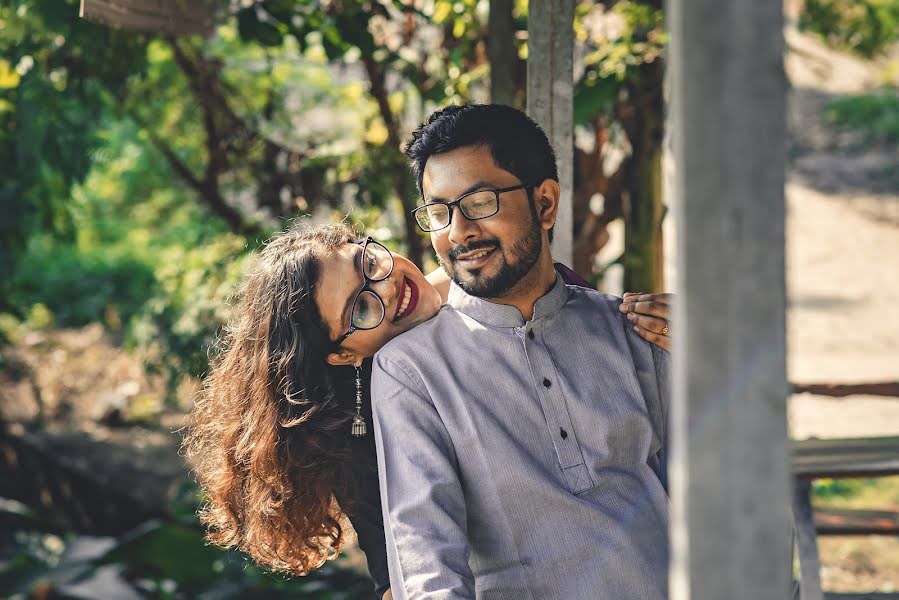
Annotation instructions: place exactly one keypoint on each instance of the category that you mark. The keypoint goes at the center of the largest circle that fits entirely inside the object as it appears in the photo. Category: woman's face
(407, 296)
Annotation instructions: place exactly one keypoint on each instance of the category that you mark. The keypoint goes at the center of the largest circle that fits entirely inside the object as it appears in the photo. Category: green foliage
(856, 493)
(177, 325)
(875, 114)
(156, 560)
(619, 40)
(866, 27)
(56, 74)
(81, 286)
(826, 489)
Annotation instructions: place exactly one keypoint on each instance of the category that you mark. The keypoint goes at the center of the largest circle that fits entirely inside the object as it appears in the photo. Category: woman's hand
(650, 315)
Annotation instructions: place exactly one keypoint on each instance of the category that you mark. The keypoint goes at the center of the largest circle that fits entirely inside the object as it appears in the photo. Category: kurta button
(546, 382)
(563, 433)
(531, 334)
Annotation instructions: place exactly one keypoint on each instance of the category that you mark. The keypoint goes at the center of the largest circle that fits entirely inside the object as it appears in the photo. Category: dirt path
(842, 249)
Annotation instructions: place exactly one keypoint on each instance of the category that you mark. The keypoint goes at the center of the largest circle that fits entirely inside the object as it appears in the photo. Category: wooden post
(550, 100)
(729, 467)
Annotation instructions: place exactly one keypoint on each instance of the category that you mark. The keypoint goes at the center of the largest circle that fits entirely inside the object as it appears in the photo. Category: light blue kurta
(523, 460)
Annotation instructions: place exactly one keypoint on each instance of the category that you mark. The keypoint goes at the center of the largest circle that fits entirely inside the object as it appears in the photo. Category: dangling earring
(358, 420)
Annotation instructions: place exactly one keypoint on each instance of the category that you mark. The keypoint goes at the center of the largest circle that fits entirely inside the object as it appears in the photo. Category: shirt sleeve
(652, 366)
(421, 494)
(662, 361)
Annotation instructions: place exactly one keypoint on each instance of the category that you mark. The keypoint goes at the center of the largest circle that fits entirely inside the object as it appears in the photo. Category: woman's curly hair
(269, 438)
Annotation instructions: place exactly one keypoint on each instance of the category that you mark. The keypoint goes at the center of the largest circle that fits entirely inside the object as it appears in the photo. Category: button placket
(555, 407)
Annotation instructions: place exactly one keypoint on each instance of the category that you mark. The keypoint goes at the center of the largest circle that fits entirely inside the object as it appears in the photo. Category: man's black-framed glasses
(475, 205)
(376, 264)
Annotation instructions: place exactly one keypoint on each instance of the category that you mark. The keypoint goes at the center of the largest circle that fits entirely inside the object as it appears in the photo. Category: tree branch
(208, 194)
(378, 90)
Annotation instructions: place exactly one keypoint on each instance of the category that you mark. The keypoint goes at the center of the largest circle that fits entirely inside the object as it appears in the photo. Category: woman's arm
(651, 316)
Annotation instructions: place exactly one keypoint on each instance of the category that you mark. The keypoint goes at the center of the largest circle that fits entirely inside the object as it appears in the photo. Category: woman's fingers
(650, 314)
(656, 308)
(663, 341)
(650, 324)
(665, 298)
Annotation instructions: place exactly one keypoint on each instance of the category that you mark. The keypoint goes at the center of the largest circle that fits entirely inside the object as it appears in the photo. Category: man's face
(485, 257)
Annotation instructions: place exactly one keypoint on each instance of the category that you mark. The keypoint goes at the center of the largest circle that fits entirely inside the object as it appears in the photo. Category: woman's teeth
(405, 304)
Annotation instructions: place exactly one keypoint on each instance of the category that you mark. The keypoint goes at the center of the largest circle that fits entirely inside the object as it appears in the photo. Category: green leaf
(9, 78)
(252, 29)
(592, 99)
(354, 28)
(167, 550)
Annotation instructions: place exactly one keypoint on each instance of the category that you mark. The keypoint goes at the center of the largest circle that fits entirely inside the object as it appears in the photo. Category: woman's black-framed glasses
(376, 264)
(475, 205)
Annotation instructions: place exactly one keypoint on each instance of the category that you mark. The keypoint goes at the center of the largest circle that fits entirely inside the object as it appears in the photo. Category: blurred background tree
(866, 27)
(124, 141)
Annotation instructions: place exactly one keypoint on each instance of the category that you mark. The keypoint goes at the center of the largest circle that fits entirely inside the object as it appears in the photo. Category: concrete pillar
(729, 467)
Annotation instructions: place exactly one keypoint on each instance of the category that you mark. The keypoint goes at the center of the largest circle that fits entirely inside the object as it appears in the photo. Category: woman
(279, 434)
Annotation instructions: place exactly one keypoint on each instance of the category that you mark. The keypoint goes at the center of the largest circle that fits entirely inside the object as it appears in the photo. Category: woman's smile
(409, 299)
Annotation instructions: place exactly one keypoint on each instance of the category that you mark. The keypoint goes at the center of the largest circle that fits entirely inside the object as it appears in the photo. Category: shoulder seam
(412, 379)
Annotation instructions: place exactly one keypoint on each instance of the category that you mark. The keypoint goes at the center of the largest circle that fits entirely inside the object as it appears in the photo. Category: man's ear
(344, 358)
(546, 198)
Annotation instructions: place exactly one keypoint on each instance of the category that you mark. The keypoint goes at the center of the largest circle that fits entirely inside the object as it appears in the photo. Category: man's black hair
(517, 143)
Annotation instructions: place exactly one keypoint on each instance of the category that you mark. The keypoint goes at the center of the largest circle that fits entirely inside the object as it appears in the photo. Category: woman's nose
(387, 289)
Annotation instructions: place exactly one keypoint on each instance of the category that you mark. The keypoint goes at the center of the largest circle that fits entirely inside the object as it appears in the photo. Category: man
(520, 431)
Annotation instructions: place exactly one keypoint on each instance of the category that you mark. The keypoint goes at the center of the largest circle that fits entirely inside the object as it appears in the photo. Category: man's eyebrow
(472, 188)
(349, 300)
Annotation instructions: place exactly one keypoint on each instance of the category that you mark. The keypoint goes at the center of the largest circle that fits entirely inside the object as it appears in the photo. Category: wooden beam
(550, 97)
(842, 390)
(806, 542)
(176, 17)
(729, 466)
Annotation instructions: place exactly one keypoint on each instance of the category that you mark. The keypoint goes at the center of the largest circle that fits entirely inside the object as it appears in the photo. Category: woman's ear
(546, 197)
(344, 358)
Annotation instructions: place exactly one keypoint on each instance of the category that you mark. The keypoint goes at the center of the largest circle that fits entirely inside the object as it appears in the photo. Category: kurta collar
(503, 315)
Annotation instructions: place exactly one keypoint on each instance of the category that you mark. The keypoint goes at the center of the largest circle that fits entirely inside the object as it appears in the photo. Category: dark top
(365, 513)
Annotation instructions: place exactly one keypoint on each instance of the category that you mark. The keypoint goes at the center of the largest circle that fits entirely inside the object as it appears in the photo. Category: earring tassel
(359, 427)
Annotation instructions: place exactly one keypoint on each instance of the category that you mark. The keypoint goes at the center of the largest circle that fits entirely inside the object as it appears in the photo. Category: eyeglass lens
(478, 205)
(377, 263)
(368, 311)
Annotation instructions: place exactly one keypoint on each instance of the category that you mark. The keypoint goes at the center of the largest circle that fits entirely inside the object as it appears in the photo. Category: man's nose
(461, 229)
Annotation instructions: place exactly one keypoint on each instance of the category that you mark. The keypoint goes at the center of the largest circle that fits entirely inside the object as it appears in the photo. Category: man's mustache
(457, 251)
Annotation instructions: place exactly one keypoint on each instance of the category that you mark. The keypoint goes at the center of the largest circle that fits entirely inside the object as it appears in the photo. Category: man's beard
(527, 250)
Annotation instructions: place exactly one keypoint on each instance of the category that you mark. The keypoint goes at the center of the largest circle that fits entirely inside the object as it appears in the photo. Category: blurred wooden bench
(846, 458)
(837, 459)
(846, 521)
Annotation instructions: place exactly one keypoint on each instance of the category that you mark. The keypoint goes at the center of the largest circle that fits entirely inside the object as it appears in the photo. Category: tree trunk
(504, 62)
(643, 121)
(590, 229)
